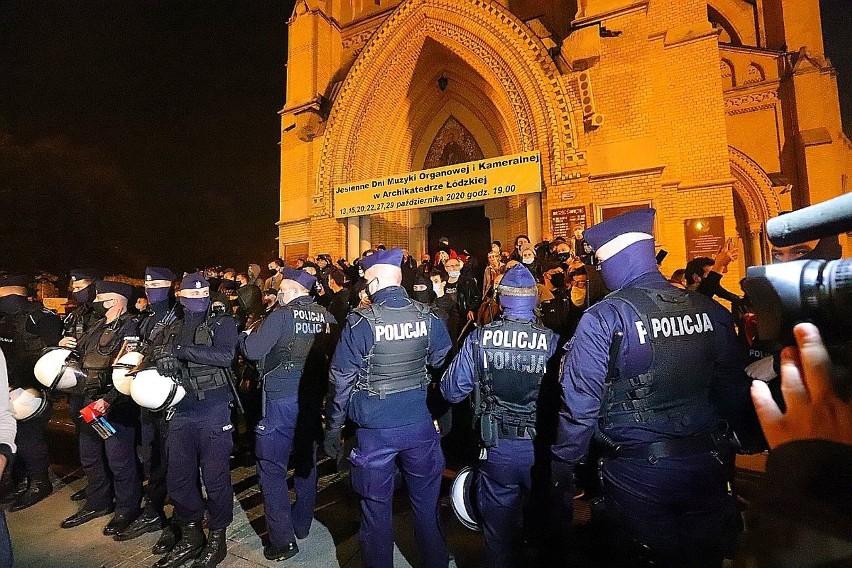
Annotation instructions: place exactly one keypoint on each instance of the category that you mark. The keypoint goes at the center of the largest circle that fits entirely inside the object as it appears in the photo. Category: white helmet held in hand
(120, 379)
(59, 368)
(27, 403)
(149, 389)
(463, 499)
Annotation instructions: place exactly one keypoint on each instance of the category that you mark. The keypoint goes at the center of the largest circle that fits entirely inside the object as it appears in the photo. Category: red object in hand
(89, 413)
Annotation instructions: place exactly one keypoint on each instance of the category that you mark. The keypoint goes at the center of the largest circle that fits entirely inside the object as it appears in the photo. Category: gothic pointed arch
(753, 187)
(515, 73)
(454, 144)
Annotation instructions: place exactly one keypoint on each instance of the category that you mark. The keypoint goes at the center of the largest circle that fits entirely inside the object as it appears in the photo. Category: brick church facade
(724, 110)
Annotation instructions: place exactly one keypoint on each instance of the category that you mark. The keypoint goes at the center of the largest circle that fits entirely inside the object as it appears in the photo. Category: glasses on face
(580, 282)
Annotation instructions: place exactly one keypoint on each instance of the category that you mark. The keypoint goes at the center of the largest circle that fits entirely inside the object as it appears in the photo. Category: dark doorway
(468, 229)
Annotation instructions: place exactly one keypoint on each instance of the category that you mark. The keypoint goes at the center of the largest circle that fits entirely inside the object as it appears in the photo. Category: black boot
(38, 490)
(215, 551)
(79, 495)
(14, 490)
(187, 548)
(145, 523)
(168, 539)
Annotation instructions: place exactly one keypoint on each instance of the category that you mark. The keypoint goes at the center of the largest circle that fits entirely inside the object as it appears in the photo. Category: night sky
(146, 132)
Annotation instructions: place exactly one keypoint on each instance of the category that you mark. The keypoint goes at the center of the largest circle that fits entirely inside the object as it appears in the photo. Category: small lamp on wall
(443, 82)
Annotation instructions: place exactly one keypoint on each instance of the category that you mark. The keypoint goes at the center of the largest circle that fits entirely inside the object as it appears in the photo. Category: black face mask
(10, 304)
(99, 309)
(86, 295)
(558, 280)
(564, 256)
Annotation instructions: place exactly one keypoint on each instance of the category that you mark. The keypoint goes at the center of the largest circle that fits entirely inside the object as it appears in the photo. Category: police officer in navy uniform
(161, 312)
(110, 464)
(199, 350)
(638, 374)
(502, 364)
(26, 328)
(379, 376)
(75, 324)
(293, 344)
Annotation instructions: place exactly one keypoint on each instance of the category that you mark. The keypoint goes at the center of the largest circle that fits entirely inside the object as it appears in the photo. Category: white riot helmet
(27, 403)
(59, 368)
(463, 499)
(120, 379)
(149, 389)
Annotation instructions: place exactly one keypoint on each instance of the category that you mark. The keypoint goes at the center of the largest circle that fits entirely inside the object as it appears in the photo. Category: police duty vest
(96, 361)
(294, 351)
(680, 333)
(78, 322)
(397, 361)
(205, 377)
(513, 358)
(20, 347)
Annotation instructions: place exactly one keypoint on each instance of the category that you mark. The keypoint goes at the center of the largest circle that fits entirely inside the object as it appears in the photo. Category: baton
(470, 321)
(229, 373)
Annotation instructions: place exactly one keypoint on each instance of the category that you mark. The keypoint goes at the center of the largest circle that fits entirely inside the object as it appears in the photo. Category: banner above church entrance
(460, 183)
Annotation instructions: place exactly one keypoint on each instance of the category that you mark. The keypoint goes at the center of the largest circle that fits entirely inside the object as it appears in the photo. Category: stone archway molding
(753, 186)
(482, 32)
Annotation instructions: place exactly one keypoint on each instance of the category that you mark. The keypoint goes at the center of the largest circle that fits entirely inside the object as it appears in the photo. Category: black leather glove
(333, 444)
(168, 366)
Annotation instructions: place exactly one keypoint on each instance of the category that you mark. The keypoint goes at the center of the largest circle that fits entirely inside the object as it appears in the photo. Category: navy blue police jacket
(356, 341)
(466, 369)
(220, 354)
(585, 367)
(279, 326)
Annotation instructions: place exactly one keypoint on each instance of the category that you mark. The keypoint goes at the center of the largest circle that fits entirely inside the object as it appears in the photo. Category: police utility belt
(678, 447)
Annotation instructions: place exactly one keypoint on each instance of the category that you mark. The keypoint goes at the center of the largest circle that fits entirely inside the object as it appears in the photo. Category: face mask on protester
(528, 260)
(454, 273)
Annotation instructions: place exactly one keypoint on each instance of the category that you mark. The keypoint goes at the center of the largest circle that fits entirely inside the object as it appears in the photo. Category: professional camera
(815, 290)
(818, 291)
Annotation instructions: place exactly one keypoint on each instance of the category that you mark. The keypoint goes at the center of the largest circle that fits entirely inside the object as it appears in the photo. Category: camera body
(785, 294)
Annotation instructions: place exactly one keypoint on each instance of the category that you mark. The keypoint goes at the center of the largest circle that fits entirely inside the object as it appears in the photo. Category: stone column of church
(353, 238)
(534, 217)
(366, 238)
(755, 230)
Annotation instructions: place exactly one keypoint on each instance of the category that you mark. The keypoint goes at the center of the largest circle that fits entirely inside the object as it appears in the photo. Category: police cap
(304, 278)
(158, 273)
(20, 280)
(392, 257)
(614, 235)
(84, 274)
(109, 287)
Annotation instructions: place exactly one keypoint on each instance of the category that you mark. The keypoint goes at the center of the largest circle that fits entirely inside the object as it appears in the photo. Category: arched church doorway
(467, 229)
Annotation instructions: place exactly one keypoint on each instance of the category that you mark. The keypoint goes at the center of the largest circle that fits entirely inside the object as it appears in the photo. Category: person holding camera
(802, 515)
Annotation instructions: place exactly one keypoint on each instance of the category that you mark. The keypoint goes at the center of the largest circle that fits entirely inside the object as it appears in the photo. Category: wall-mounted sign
(563, 221)
(460, 183)
(568, 195)
(704, 236)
